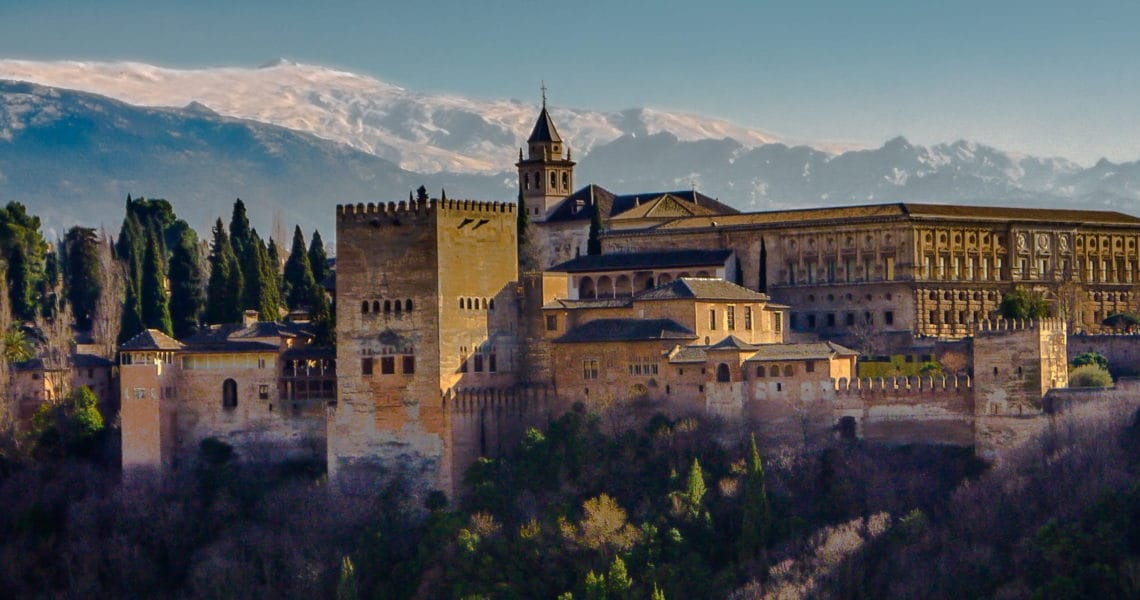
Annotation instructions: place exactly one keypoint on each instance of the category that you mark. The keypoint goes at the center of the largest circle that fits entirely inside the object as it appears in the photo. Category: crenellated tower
(546, 175)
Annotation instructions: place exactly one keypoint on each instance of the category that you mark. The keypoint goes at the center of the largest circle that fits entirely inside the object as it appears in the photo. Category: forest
(577, 510)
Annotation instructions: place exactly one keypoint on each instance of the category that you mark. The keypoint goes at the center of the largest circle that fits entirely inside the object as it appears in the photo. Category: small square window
(263, 391)
(552, 322)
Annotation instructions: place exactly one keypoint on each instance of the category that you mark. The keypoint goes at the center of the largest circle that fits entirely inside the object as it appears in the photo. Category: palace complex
(454, 336)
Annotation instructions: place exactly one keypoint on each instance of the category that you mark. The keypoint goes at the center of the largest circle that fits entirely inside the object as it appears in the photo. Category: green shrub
(1089, 376)
(1091, 358)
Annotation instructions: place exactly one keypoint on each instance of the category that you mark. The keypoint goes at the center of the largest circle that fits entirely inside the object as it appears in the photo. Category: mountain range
(293, 140)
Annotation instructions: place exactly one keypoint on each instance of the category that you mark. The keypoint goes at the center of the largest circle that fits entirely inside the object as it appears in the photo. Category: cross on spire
(543, 88)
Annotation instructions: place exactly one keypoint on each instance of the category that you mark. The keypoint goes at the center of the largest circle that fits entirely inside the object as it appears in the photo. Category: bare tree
(109, 306)
(1067, 305)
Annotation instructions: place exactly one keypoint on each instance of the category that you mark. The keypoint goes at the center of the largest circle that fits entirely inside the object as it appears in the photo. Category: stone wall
(1122, 351)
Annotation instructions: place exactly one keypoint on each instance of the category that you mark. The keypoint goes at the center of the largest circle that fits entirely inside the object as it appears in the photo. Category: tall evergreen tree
(259, 291)
(240, 232)
(693, 498)
(756, 521)
(421, 194)
(25, 251)
(318, 258)
(762, 286)
(81, 273)
(223, 292)
(298, 273)
(155, 305)
(186, 299)
(594, 243)
(739, 279)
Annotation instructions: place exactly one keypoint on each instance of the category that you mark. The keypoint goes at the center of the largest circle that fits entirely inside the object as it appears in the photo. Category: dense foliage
(1022, 303)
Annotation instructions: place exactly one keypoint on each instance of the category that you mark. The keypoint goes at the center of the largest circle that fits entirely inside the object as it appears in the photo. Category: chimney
(248, 318)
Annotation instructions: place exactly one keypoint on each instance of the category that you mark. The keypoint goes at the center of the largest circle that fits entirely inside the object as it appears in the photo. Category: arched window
(788, 370)
(538, 181)
(408, 305)
(565, 180)
(586, 289)
(469, 305)
(484, 304)
(376, 306)
(722, 375)
(461, 304)
(553, 179)
(229, 394)
(492, 304)
(526, 181)
(399, 306)
(364, 307)
(774, 371)
(760, 371)
(387, 306)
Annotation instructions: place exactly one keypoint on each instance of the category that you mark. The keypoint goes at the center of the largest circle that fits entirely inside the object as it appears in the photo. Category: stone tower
(426, 304)
(546, 176)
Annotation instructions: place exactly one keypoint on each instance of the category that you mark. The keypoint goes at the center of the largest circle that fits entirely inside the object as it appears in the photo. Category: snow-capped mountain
(420, 132)
(331, 137)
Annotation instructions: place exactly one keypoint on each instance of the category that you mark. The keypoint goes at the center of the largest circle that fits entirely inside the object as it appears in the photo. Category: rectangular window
(850, 319)
(387, 365)
(997, 269)
(712, 319)
(409, 364)
(479, 362)
(261, 363)
(551, 322)
(926, 267)
(777, 322)
(811, 321)
(889, 317)
(811, 272)
(942, 267)
(849, 270)
(366, 367)
(462, 363)
(791, 273)
(263, 391)
(748, 318)
(957, 268)
(831, 319)
(809, 367)
(890, 268)
(868, 269)
(590, 368)
(985, 268)
(492, 364)
(730, 315)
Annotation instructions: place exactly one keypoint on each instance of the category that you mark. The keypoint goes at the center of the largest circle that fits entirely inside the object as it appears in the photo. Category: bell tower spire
(546, 175)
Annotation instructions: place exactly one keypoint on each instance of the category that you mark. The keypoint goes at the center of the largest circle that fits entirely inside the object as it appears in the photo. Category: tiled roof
(688, 354)
(704, 288)
(598, 303)
(627, 330)
(805, 351)
(544, 130)
(665, 206)
(91, 360)
(733, 343)
(644, 260)
(580, 205)
(904, 210)
(151, 339)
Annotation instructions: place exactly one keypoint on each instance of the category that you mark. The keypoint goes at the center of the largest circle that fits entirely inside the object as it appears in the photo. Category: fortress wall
(1122, 351)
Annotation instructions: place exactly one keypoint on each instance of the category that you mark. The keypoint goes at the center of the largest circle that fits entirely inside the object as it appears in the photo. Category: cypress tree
(240, 232)
(739, 273)
(695, 489)
(155, 306)
(186, 299)
(26, 253)
(594, 244)
(757, 517)
(618, 581)
(298, 273)
(421, 194)
(318, 259)
(81, 274)
(259, 290)
(223, 292)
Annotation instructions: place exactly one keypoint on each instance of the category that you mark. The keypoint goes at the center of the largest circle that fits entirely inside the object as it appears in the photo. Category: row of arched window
(723, 374)
(476, 303)
(385, 306)
(536, 182)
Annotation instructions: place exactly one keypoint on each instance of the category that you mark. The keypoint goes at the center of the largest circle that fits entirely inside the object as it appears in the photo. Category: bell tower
(546, 176)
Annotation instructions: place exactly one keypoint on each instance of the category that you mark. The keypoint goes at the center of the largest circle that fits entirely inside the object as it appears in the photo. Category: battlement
(914, 384)
(362, 211)
(998, 326)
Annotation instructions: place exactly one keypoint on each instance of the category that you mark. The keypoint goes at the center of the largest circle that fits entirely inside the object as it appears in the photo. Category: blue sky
(1047, 78)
